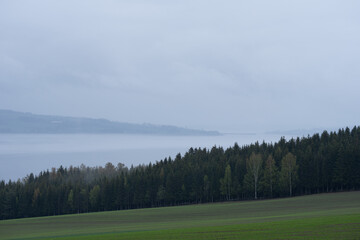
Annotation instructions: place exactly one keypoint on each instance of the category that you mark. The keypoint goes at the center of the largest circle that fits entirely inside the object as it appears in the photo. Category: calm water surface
(21, 154)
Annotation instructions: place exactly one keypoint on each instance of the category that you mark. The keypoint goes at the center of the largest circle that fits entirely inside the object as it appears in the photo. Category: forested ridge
(19, 122)
(324, 162)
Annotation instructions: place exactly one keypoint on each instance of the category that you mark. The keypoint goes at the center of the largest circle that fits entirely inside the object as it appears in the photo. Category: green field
(322, 216)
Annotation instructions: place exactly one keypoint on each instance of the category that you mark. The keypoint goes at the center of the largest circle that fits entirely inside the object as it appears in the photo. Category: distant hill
(19, 122)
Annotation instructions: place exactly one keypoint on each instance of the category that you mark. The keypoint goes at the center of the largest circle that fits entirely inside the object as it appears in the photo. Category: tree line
(314, 164)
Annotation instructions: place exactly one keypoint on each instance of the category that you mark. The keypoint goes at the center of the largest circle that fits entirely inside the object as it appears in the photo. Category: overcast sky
(247, 66)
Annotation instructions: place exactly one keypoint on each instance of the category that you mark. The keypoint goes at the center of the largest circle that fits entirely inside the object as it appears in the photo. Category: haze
(245, 66)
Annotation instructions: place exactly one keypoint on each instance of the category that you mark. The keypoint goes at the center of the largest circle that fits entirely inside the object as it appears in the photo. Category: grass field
(322, 216)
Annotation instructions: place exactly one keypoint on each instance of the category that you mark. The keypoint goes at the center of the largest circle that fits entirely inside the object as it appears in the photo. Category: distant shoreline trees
(320, 163)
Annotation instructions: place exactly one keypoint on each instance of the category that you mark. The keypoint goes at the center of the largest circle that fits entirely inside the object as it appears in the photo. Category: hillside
(321, 216)
(322, 163)
(19, 122)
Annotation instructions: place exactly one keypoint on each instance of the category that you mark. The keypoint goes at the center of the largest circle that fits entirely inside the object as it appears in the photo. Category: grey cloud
(237, 65)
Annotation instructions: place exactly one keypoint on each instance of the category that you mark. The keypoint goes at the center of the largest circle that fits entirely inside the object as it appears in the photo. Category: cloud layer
(232, 66)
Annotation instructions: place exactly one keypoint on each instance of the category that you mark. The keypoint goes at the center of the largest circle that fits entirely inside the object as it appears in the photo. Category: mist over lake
(22, 154)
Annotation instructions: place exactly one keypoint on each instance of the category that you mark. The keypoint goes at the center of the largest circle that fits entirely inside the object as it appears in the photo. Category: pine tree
(271, 173)
(225, 183)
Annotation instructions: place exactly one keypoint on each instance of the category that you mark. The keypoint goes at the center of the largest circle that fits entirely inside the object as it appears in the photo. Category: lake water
(22, 154)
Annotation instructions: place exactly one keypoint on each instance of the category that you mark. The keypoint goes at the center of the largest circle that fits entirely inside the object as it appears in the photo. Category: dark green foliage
(271, 177)
(225, 183)
(319, 163)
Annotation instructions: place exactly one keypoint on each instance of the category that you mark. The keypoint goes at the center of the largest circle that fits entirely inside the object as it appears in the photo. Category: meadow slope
(322, 216)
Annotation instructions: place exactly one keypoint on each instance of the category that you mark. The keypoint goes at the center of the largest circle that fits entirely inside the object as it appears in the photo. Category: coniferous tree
(318, 163)
(270, 175)
(226, 183)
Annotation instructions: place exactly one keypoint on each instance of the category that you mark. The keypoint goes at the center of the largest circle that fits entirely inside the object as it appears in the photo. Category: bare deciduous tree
(289, 170)
(254, 164)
